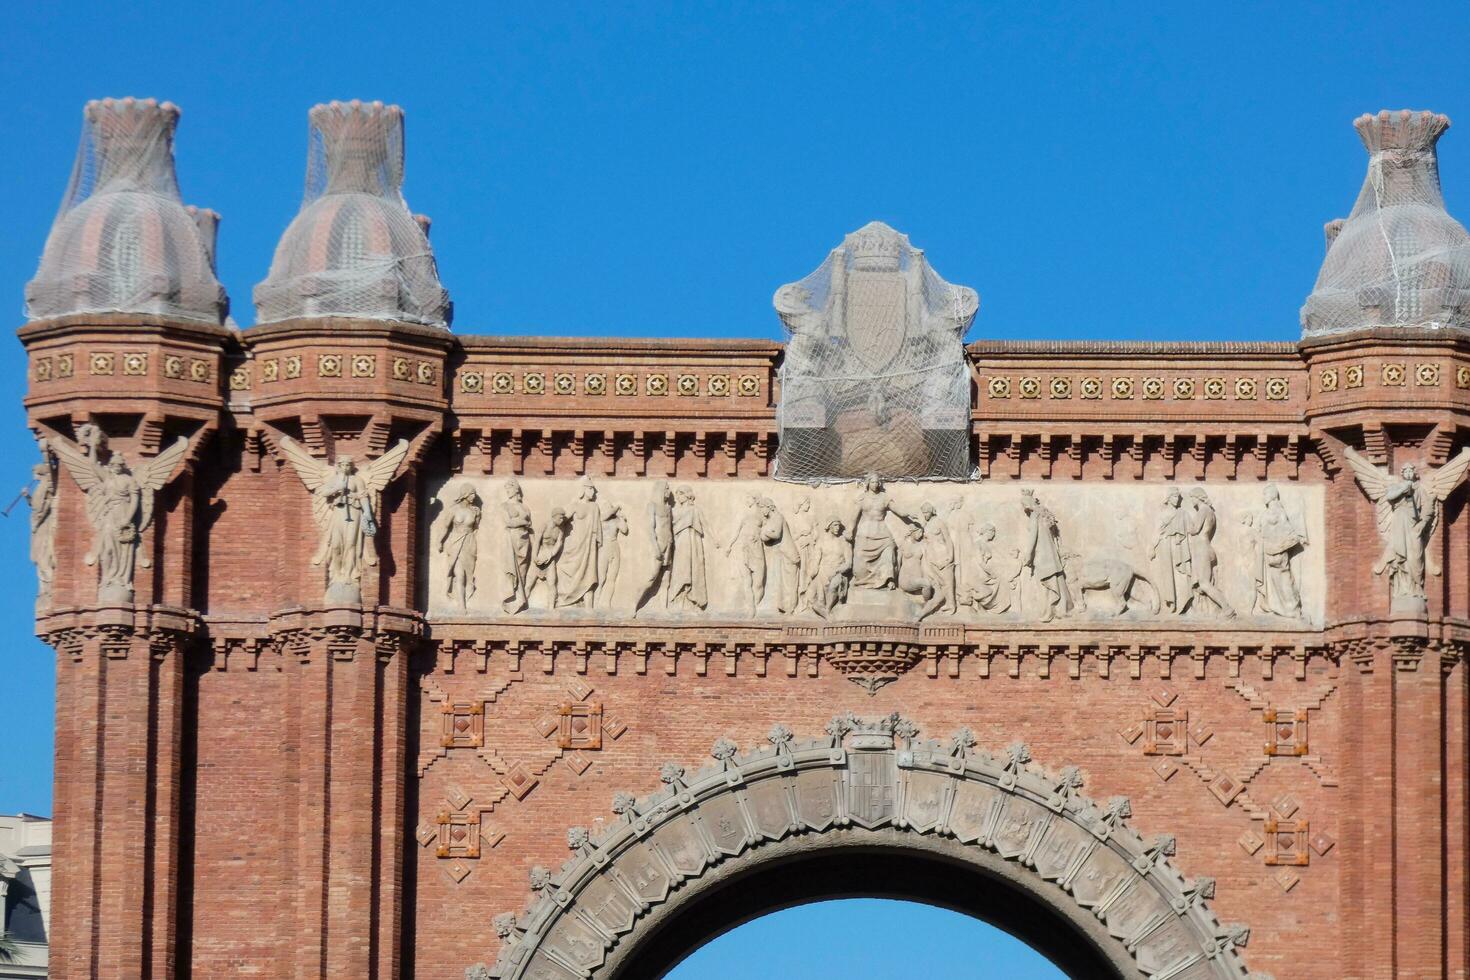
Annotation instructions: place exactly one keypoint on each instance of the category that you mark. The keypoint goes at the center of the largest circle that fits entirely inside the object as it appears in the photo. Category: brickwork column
(346, 733)
(119, 685)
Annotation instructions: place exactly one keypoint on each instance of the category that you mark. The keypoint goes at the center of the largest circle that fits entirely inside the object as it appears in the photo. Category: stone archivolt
(866, 774)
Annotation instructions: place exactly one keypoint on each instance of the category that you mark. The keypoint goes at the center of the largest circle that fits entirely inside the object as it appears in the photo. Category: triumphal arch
(388, 651)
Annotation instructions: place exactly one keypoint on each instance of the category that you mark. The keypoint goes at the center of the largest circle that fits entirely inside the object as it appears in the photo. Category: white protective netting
(123, 241)
(874, 378)
(1398, 259)
(354, 249)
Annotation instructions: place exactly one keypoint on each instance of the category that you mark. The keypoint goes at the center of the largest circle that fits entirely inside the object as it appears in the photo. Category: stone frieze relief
(764, 551)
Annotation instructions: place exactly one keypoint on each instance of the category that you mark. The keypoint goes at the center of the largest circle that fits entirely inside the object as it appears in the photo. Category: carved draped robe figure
(515, 548)
(1042, 555)
(1278, 542)
(1202, 558)
(776, 534)
(803, 527)
(1407, 510)
(457, 542)
(874, 551)
(42, 500)
(345, 506)
(582, 551)
(687, 584)
(549, 548)
(990, 591)
(119, 508)
(1173, 561)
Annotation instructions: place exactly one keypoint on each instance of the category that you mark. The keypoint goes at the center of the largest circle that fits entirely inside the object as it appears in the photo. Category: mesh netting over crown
(123, 241)
(874, 378)
(1399, 258)
(354, 249)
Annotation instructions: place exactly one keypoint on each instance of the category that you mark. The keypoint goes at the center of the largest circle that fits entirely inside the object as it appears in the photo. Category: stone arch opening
(873, 810)
(852, 863)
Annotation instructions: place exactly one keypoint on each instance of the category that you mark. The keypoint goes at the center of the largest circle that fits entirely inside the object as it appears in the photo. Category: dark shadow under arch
(871, 864)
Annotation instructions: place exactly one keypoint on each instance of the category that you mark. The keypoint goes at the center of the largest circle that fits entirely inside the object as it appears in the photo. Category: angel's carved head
(116, 464)
(1408, 472)
(346, 465)
(512, 489)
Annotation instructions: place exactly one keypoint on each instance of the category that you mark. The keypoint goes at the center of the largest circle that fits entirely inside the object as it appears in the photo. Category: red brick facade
(248, 783)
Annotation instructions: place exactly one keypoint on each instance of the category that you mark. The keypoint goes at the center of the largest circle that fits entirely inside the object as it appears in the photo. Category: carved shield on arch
(877, 316)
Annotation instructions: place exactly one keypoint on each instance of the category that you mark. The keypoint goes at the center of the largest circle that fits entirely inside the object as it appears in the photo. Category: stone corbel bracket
(116, 631)
(999, 804)
(343, 632)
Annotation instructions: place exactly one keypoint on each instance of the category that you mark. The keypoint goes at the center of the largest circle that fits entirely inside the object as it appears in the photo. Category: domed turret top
(1398, 259)
(355, 249)
(124, 242)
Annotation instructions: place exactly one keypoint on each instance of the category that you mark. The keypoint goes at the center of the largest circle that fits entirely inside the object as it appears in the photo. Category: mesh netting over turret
(354, 249)
(1399, 259)
(874, 379)
(123, 241)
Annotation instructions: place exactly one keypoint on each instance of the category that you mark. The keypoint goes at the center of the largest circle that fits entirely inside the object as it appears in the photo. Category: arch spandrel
(1080, 857)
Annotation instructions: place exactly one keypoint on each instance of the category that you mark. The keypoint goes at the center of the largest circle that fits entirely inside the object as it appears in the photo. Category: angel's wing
(1374, 480)
(83, 468)
(313, 472)
(154, 473)
(1442, 482)
(377, 473)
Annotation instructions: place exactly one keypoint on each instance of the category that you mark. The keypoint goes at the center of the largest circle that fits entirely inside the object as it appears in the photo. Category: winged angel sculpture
(345, 505)
(1408, 510)
(119, 508)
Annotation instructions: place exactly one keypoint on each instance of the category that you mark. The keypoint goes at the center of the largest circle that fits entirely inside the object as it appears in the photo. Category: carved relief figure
(119, 508)
(1278, 541)
(581, 554)
(687, 585)
(457, 542)
(962, 532)
(777, 535)
(752, 553)
(660, 527)
(549, 548)
(610, 559)
(874, 552)
(803, 525)
(832, 566)
(41, 497)
(1408, 511)
(939, 559)
(515, 555)
(1202, 558)
(1173, 566)
(911, 577)
(989, 592)
(345, 508)
(1042, 556)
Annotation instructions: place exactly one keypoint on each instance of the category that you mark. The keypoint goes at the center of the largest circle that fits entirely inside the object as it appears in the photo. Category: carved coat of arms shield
(877, 320)
(871, 781)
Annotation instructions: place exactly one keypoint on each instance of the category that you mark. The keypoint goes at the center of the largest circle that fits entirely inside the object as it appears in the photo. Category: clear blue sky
(869, 938)
(1094, 170)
